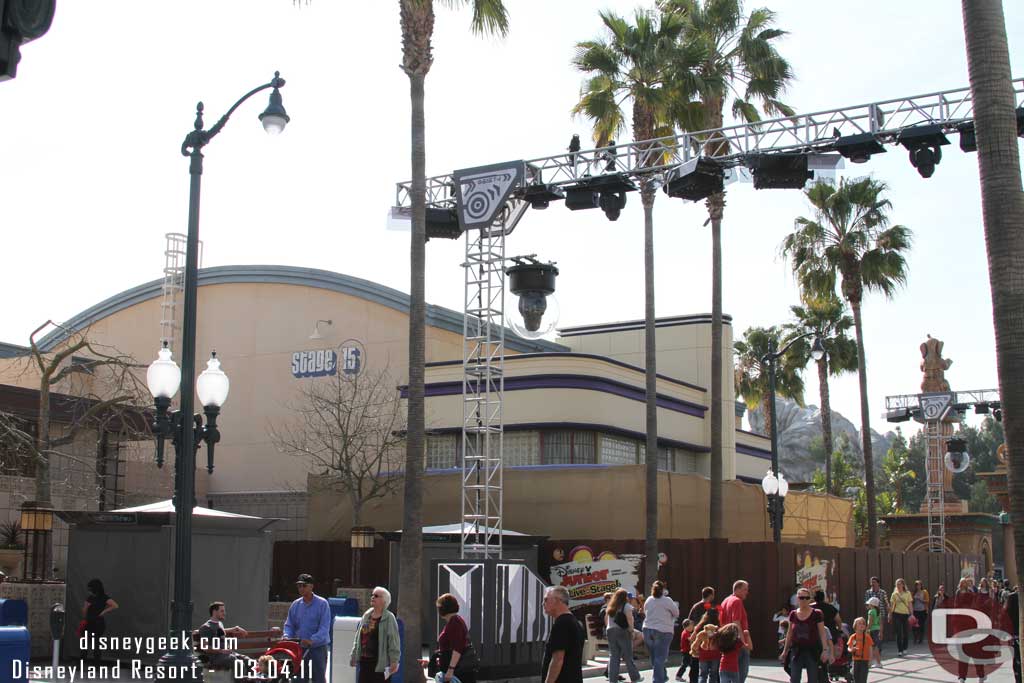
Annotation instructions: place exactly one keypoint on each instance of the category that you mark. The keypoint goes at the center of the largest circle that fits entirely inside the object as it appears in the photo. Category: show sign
(587, 582)
(326, 362)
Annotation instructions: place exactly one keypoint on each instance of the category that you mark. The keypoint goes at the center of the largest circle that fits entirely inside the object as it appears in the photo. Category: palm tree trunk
(411, 550)
(766, 409)
(865, 430)
(651, 377)
(1002, 204)
(716, 206)
(826, 420)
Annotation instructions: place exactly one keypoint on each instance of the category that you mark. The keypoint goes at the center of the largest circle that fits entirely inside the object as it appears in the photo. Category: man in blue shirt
(309, 620)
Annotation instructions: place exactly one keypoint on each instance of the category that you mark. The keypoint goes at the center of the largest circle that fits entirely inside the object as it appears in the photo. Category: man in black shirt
(563, 653)
(212, 639)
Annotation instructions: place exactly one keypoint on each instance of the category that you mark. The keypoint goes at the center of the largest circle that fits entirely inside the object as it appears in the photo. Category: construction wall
(574, 501)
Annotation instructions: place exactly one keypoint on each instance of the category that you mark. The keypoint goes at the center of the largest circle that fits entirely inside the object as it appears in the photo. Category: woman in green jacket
(376, 649)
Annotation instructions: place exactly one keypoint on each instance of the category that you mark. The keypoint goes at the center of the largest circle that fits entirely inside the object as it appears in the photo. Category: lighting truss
(813, 133)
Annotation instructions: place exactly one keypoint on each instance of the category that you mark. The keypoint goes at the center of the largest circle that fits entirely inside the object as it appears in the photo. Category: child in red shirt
(684, 648)
(729, 640)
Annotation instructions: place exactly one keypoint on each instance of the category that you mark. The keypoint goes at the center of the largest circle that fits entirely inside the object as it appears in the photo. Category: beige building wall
(683, 346)
(579, 500)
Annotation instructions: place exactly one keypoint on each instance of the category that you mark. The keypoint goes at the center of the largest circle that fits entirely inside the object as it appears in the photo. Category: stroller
(840, 668)
(282, 661)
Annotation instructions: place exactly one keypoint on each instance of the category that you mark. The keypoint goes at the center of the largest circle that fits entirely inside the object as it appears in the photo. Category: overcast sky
(92, 177)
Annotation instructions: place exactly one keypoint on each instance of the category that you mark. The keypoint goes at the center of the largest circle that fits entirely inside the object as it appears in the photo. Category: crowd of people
(815, 642)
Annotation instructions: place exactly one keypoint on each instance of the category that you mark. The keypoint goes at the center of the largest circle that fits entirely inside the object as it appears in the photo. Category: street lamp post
(774, 484)
(186, 429)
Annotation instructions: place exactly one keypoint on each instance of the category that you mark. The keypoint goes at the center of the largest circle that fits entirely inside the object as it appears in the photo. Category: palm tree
(752, 372)
(850, 239)
(1002, 202)
(417, 19)
(635, 62)
(827, 319)
(739, 69)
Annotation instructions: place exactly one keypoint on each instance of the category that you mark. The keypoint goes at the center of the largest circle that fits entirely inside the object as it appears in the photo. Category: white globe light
(213, 385)
(541, 318)
(163, 377)
(783, 485)
(770, 485)
(957, 462)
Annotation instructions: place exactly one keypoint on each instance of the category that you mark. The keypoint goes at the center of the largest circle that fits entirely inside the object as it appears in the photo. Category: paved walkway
(917, 667)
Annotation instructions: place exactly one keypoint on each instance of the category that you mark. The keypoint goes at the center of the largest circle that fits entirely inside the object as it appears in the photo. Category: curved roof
(437, 316)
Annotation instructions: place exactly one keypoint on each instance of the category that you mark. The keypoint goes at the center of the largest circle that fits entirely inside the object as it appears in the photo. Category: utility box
(15, 646)
(13, 612)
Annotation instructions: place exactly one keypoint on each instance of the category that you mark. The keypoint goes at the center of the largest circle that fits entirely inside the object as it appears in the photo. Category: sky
(92, 177)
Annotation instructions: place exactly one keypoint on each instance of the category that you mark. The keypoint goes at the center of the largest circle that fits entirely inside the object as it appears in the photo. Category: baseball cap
(873, 602)
(304, 578)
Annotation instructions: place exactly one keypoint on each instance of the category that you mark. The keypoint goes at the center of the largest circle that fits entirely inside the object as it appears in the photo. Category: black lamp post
(186, 429)
(774, 484)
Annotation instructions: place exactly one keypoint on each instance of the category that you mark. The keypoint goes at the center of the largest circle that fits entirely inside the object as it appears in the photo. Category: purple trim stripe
(756, 452)
(586, 382)
(563, 354)
(604, 429)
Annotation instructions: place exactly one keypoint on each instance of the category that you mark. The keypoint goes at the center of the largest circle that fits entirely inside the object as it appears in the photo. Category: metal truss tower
(932, 410)
(173, 286)
(483, 385)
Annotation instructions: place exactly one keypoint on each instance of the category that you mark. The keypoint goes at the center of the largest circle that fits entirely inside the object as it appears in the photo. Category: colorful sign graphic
(589, 575)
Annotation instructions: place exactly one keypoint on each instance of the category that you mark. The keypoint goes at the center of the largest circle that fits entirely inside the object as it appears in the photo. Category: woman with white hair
(375, 649)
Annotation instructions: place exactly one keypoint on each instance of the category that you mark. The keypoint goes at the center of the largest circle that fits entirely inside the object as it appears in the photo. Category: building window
(568, 448)
(442, 452)
(617, 451)
(17, 457)
(521, 448)
(686, 462)
(667, 461)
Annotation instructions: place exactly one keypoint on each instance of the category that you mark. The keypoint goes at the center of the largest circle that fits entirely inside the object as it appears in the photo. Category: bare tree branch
(350, 430)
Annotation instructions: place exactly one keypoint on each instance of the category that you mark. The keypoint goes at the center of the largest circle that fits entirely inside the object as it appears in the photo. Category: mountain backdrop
(799, 428)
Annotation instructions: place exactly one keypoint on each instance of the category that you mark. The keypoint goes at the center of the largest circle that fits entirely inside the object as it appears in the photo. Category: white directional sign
(481, 192)
(935, 407)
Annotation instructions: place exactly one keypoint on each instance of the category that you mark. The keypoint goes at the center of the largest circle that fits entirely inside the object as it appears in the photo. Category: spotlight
(859, 148)
(981, 409)
(897, 415)
(588, 193)
(577, 199)
(443, 224)
(540, 196)
(610, 155)
(957, 458)
(968, 140)
(779, 171)
(612, 204)
(695, 179)
(998, 414)
(923, 143)
(534, 283)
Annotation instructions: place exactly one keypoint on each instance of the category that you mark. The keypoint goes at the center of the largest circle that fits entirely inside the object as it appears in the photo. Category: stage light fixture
(587, 193)
(540, 196)
(695, 179)
(981, 408)
(533, 282)
(779, 171)
(443, 224)
(859, 148)
(923, 144)
(968, 140)
(897, 415)
(612, 204)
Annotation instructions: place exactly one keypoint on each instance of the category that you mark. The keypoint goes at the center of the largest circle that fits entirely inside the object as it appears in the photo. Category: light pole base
(185, 665)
